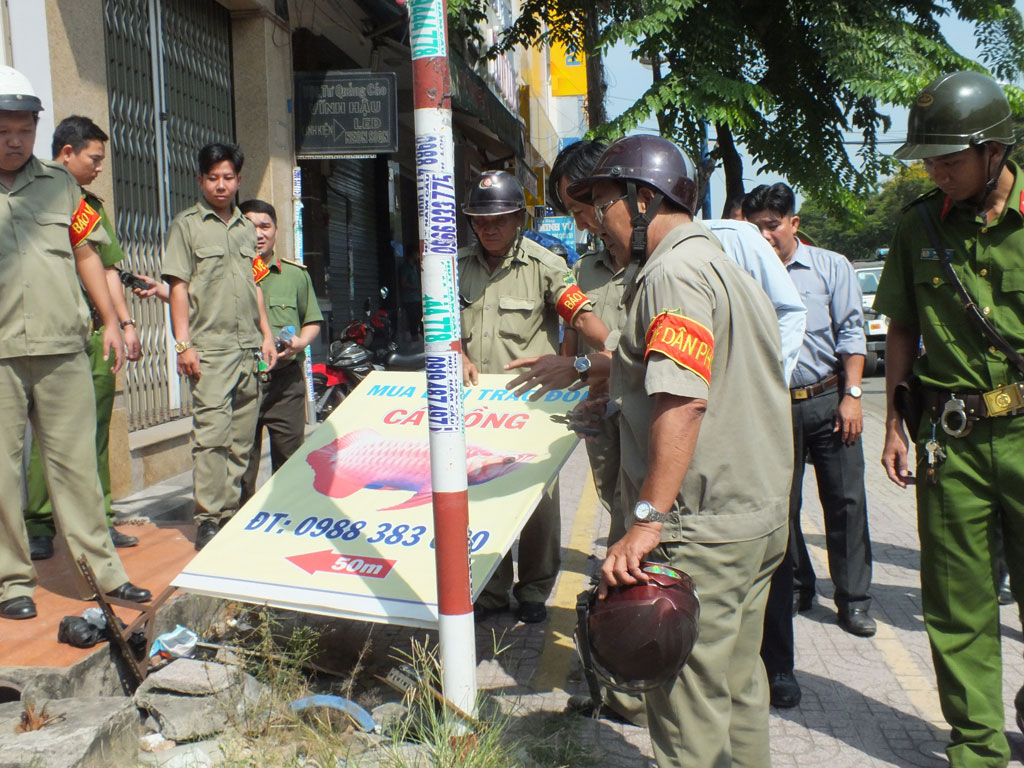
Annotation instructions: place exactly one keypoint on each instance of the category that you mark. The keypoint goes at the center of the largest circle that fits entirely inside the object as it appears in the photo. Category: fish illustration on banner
(366, 459)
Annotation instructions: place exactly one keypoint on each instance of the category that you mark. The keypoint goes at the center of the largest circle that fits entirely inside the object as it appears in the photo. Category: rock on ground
(193, 699)
(94, 733)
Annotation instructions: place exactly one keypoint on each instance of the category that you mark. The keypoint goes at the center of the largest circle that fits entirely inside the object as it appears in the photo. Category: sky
(627, 78)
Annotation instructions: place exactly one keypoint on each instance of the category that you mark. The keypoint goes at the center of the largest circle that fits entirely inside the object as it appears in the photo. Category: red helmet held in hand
(639, 637)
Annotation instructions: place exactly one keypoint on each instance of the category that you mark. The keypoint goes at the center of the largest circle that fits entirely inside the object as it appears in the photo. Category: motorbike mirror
(384, 292)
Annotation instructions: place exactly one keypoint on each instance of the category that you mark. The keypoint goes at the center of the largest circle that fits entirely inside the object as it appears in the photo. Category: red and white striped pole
(435, 188)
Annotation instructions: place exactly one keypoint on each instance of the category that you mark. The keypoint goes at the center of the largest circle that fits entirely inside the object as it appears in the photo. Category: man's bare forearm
(675, 424)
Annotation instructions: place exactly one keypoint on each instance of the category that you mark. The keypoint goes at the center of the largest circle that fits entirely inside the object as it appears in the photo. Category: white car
(875, 325)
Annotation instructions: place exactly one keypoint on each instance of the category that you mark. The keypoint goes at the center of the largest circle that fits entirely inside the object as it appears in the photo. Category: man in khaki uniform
(603, 279)
(47, 233)
(512, 292)
(78, 144)
(698, 362)
(290, 301)
(220, 326)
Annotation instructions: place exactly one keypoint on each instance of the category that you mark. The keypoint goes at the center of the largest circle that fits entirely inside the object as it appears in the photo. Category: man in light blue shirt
(744, 244)
(827, 423)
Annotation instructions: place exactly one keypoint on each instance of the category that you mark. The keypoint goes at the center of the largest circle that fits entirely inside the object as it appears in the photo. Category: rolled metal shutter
(353, 273)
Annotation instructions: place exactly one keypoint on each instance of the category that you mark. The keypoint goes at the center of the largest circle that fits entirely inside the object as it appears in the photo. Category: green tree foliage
(790, 80)
(861, 235)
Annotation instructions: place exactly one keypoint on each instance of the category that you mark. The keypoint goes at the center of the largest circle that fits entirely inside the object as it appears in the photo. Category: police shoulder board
(921, 198)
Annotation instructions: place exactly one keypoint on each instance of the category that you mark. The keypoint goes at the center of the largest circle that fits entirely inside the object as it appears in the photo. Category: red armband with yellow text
(570, 303)
(259, 269)
(83, 223)
(682, 340)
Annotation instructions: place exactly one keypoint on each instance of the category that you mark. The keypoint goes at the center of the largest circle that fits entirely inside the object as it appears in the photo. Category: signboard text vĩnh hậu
(340, 114)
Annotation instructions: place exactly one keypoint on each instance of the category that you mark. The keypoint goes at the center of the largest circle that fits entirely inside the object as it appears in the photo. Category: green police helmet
(954, 112)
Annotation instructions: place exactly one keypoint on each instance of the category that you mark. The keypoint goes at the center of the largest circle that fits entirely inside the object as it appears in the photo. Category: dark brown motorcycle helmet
(639, 637)
(494, 193)
(637, 162)
(645, 159)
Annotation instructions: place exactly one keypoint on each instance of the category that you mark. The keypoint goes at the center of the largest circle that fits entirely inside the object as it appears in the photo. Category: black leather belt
(813, 390)
(956, 412)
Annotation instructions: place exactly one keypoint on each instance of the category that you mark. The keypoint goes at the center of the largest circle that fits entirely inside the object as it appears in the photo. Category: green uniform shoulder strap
(921, 198)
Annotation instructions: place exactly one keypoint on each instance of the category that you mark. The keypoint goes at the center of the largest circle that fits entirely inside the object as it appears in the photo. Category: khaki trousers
(715, 713)
(55, 392)
(38, 509)
(539, 558)
(283, 413)
(225, 406)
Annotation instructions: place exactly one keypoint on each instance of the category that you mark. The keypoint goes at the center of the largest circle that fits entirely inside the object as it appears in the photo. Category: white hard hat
(17, 93)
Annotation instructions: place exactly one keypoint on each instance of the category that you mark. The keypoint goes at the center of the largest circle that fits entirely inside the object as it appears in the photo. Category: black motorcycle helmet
(494, 193)
(639, 637)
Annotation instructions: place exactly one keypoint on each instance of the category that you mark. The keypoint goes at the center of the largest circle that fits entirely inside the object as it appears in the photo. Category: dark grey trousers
(839, 470)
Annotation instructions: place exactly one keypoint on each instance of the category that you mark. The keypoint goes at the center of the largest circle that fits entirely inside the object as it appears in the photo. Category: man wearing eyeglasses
(698, 362)
(513, 292)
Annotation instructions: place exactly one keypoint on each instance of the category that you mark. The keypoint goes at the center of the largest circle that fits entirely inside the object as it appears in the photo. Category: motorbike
(365, 344)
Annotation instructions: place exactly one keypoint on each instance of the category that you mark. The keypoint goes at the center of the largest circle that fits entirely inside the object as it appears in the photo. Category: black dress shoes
(1003, 593)
(484, 612)
(23, 607)
(802, 601)
(131, 593)
(857, 622)
(40, 547)
(205, 533)
(784, 690)
(121, 540)
(531, 612)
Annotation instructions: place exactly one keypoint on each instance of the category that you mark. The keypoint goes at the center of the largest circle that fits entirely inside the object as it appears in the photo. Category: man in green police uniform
(969, 446)
(290, 301)
(220, 326)
(47, 238)
(78, 144)
(512, 292)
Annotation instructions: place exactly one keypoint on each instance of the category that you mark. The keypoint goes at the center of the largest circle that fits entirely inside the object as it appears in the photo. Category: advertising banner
(562, 227)
(345, 529)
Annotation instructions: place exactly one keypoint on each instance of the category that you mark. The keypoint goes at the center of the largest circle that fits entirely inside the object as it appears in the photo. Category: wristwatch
(644, 512)
(854, 392)
(181, 346)
(126, 323)
(582, 365)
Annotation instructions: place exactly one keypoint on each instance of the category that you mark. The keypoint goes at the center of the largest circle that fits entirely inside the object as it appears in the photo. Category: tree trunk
(596, 86)
(732, 164)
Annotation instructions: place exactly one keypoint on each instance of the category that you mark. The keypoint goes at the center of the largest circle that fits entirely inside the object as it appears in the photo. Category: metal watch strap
(980, 321)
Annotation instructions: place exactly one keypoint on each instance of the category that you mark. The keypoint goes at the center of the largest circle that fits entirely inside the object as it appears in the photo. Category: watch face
(643, 510)
(582, 364)
(855, 391)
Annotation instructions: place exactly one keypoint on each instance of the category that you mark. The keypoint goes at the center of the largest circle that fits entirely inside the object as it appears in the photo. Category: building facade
(164, 77)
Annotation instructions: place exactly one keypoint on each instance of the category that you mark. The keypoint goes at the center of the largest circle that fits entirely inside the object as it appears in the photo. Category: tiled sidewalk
(866, 702)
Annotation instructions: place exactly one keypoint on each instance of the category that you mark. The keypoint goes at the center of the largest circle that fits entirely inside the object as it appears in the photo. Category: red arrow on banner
(335, 562)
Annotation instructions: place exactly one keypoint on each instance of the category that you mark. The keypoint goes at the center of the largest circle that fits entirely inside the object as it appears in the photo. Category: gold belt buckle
(802, 394)
(1001, 401)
